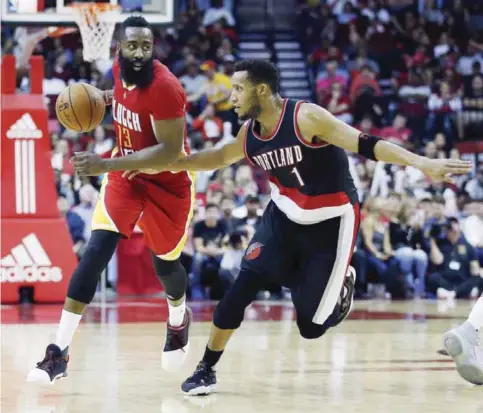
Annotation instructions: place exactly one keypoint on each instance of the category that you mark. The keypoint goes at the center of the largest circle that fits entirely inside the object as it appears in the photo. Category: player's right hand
(131, 174)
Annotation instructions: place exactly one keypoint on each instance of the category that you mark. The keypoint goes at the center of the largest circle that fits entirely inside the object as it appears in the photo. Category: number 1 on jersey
(297, 175)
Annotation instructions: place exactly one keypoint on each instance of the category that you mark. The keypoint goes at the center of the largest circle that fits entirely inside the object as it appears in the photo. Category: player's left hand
(442, 169)
(88, 164)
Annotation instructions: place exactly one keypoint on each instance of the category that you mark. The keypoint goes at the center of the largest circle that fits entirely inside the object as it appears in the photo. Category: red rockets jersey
(134, 110)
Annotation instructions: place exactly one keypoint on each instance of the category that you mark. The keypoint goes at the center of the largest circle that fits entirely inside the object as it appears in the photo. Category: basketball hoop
(96, 22)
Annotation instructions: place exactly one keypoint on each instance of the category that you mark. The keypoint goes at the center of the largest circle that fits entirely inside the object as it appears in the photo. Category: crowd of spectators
(407, 71)
(410, 72)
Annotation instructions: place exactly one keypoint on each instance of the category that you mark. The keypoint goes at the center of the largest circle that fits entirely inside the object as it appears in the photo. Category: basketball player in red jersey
(148, 106)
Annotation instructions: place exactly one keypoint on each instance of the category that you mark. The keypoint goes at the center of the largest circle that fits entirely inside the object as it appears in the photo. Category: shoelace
(48, 361)
(201, 370)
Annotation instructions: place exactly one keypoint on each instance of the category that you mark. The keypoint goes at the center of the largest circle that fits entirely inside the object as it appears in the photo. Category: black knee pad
(172, 275)
(227, 316)
(99, 251)
(230, 310)
(309, 330)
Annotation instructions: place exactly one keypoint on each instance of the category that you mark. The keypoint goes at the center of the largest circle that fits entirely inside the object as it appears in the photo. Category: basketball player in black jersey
(306, 236)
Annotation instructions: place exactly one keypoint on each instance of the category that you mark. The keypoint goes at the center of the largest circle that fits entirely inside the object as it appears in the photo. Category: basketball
(80, 107)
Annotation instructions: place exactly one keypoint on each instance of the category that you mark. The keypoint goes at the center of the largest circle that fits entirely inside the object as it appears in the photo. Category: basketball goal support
(36, 247)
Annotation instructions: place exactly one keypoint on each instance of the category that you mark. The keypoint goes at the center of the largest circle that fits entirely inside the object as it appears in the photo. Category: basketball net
(96, 22)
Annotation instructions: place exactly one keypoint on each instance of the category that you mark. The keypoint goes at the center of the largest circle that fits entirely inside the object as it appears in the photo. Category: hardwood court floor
(383, 359)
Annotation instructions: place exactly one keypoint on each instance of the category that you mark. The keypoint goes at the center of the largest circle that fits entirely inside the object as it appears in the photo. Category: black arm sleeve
(366, 146)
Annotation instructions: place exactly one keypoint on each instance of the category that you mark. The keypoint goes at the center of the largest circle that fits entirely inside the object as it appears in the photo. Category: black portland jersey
(309, 182)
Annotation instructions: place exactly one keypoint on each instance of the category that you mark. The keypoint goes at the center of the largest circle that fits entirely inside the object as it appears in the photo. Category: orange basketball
(80, 107)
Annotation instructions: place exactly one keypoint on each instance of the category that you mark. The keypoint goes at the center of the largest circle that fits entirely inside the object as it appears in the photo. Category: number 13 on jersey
(296, 172)
(124, 137)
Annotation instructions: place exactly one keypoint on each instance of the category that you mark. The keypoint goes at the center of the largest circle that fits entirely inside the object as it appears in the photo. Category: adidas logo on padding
(28, 262)
(24, 128)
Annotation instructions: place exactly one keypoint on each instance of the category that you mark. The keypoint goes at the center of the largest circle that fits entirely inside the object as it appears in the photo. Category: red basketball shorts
(162, 213)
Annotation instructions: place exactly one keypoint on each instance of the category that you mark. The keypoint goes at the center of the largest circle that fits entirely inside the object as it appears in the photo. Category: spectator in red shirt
(211, 126)
(338, 104)
(327, 79)
(364, 93)
(443, 107)
(398, 132)
(367, 126)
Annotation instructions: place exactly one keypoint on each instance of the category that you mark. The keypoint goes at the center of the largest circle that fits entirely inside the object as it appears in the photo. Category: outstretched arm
(214, 158)
(316, 121)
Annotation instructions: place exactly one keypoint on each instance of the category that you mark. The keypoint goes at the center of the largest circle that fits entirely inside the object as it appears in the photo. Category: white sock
(67, 327)
(176, 314)
(476, 315)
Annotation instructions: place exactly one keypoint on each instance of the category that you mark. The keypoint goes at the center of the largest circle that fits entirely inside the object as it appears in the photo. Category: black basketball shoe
(202, 382)
(177, 345)
(52, 367)
(347, 295)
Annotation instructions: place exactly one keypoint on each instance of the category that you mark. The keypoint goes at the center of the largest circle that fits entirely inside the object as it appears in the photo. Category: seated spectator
(101, 144)
(245, 181)
(338, 104)
(364, 92)
(441, 143)
(434, 220)
(330, 76)
(248, 223)
(367, 126)
(227, 205)
(455, 268)
(373, 230)
(207, 237)
(431, 11)
(228, 59)
(473, 109)
(61, 157)
(250, 210)
(472, 227)
(467, 60)
(193, 80)
(414, 96)
(360, 61)
(404, 240)
(475, 186)
(398, 132)
(217, 12)
(87, 197)
(217, 90)
(210, 125)
(236, 245)
(359, 262)
(75, 224)
(443, 108)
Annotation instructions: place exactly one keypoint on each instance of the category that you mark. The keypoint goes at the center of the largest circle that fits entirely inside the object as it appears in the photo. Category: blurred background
(408, 71)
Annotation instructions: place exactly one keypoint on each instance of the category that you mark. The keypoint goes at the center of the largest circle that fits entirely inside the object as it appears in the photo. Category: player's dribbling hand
(88, 164)
(131, 174)
(442, 169)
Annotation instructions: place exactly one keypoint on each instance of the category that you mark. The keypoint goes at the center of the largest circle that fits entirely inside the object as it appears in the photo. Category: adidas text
(17, 274)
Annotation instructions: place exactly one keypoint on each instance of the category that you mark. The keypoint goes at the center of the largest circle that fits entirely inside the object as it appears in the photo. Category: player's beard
(254, 109)
(141, 78)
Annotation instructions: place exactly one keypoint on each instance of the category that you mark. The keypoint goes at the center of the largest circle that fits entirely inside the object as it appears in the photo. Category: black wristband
(366, 146)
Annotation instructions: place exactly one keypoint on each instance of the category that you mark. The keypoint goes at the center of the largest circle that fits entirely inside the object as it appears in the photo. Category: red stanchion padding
(136, 274)
(35, 253)
(9, 75)
(36, 74)
(28, 184)
(36, 245)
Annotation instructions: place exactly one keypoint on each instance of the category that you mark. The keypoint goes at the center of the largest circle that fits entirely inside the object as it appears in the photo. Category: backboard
(59, 12)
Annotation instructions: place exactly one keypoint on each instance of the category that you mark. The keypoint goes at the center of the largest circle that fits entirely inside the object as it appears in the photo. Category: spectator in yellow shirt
(217, 90)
